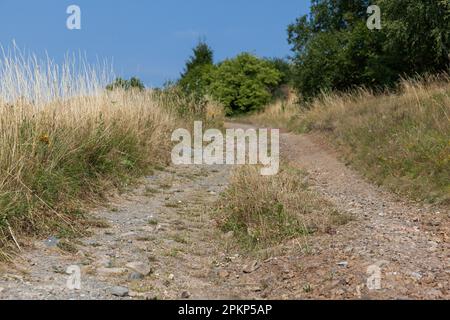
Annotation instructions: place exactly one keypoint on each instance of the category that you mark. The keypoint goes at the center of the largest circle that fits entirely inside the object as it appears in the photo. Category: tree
(133, 83)
(417, 35)
(197, 74)
(244, 83)
(330, 46)
(285, 68)
(334, 50)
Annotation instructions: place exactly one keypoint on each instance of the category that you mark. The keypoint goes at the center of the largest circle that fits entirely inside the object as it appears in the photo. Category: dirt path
(163, 244)
(408, 243)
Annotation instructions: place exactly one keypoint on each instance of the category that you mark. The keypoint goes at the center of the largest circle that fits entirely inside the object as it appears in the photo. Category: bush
(196, 77)
(133, 83)
(244, 84)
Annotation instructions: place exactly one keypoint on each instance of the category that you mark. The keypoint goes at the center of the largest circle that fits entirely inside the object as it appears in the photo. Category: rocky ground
(162, 243)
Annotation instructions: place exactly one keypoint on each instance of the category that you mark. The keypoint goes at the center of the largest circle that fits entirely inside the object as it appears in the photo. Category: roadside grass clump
(264, 211)
(65, 140)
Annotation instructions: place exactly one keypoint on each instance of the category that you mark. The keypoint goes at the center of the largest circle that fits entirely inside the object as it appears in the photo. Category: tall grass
(64, 140)
(398, 139)
(280, 114)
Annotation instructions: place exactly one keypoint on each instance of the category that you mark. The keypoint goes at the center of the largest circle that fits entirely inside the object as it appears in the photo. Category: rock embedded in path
(52, 242)
(111, 271)
(223, 274)
(185, 295)
(120, 292)
(135, 276)
(250, 268)
(140, 267)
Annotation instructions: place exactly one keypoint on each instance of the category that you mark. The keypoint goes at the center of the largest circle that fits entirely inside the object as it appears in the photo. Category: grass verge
(64, 141)
(400, 140)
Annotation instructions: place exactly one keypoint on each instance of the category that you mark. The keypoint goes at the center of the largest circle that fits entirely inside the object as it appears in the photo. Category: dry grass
(400, 140)
(265, 211)
(65, 140)
(280, 114)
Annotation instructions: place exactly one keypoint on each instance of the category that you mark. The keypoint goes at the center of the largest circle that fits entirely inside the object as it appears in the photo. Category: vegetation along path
(161, 242)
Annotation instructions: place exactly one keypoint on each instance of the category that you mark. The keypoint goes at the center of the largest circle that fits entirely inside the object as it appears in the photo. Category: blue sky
(150, 39)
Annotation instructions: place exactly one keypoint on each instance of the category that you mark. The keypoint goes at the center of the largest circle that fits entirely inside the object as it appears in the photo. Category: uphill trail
(162, 243)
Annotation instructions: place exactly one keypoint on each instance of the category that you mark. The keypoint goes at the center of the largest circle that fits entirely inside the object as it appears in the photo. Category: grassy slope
(398, 140)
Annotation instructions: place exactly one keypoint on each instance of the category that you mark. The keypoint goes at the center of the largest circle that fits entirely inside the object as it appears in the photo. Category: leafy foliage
(133, 83)
(334, 49)
(282, 89)
(196, 77)
(244, 83)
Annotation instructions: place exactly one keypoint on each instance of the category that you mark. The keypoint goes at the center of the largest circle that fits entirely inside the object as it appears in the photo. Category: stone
(140, 267)
(120, 292)
(434, 294)
(52, 242)
(252, 267)
(185, 295)
(229, 235)
(134, 276)
(223, 274)
(416, 275)
(111, 271)
(343, 264)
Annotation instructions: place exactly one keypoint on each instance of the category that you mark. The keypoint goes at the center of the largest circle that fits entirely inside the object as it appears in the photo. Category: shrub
(196, 77)
(133, 83)
(244, 84)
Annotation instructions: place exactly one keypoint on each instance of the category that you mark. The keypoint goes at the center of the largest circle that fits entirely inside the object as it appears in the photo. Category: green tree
(331, 46)
(196, 77)
(334, 50)
(417, 35)
(284, 67)
(133, 83)
(244, 83)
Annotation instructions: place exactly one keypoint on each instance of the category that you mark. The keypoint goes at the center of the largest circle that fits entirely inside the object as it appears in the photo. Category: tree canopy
(334, 50)
(244, 83)
(197, 74)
